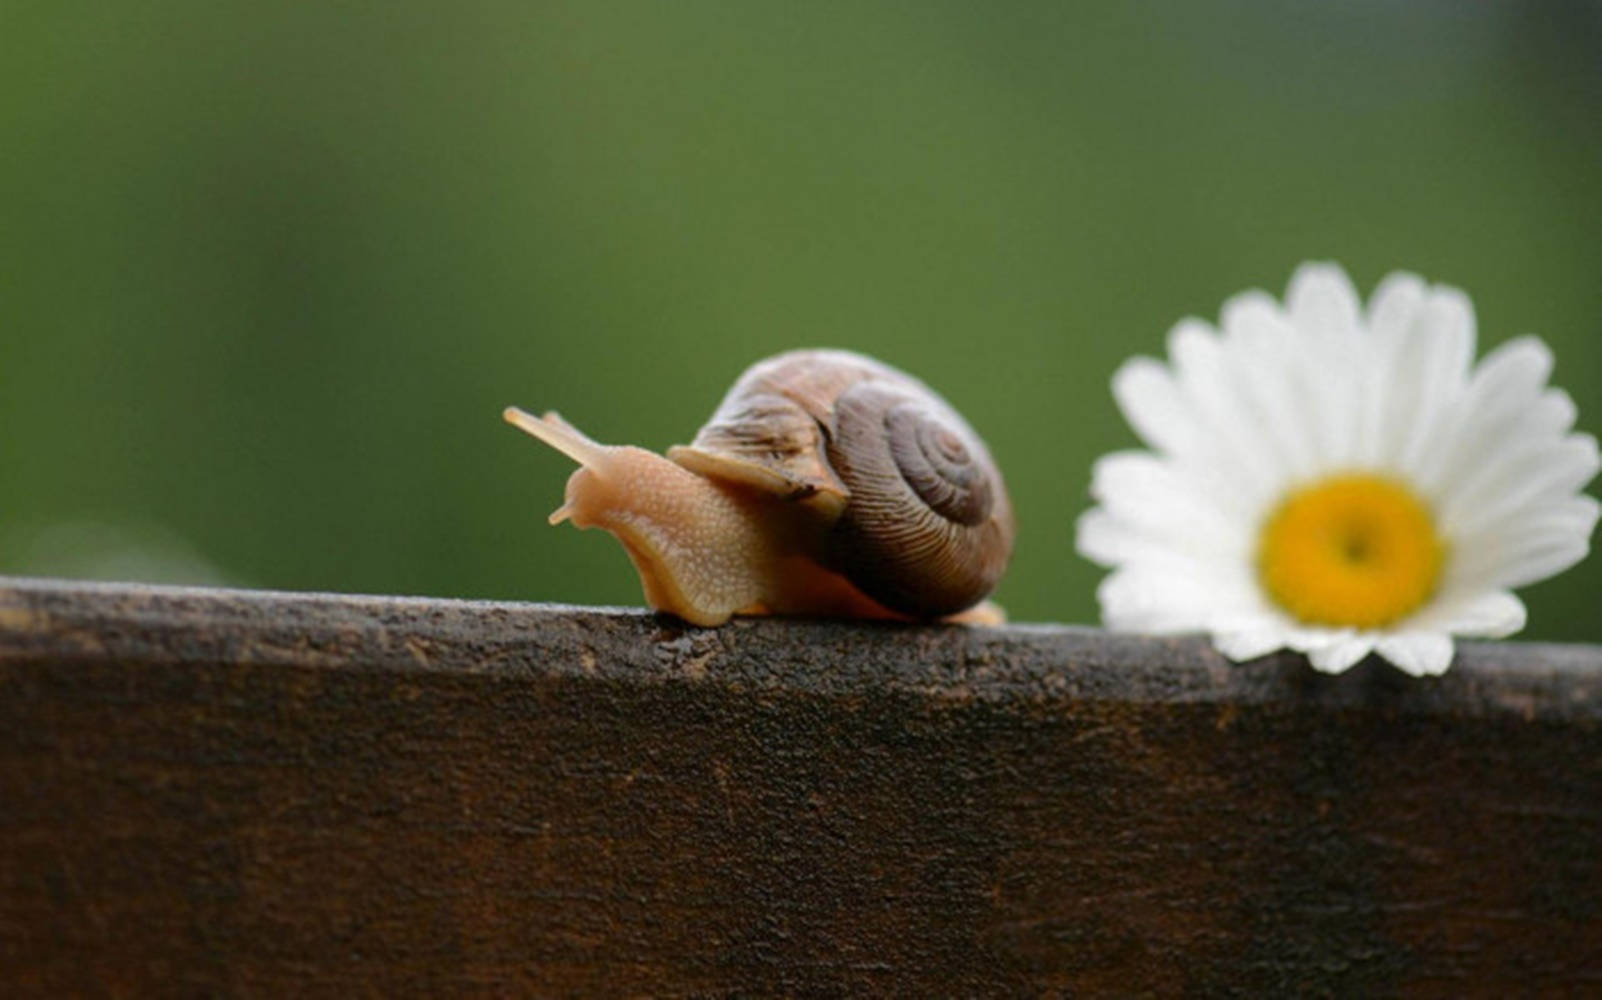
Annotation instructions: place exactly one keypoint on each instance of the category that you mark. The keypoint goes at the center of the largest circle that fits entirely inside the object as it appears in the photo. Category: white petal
(1445, 328)
(1133, 601)
(1103, 538)
(1521, 365)
(1333, 376)
(1151, 401)
(1422, 654)
(1394, 303)
(1207, 374)
(1133, 481)
(1332, 362)
(1520, 481)
(1151, 496)
(1288, 392)
(1486, 439)
(1425, 370)
(1392, 311)
(1321, 300)
(1510, 376)
(1492, 614)
(1256, 303)
(1249, 644)
(1494, 414)
(1157, 599)
(1534, 560)
(1339, 656)
(1540, 541)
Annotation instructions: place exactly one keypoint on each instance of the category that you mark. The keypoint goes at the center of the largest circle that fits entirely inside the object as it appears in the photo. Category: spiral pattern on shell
(929, 527)
(935, 462)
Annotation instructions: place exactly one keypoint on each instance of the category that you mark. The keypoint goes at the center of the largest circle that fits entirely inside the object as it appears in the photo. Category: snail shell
(923, 524)
(825, 482)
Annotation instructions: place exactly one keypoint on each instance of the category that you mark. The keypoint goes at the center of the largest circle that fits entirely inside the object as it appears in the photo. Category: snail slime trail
(825, 483)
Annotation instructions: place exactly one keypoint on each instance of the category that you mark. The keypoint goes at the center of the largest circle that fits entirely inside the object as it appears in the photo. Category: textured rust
(222, 792)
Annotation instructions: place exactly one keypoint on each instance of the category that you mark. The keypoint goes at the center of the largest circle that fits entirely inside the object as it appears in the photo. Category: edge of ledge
(1028, 665)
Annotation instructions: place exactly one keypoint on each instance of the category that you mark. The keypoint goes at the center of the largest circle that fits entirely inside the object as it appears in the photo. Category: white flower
(1339, 481)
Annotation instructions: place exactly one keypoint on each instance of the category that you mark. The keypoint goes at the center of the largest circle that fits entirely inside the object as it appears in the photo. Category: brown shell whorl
(937, 464)
(929, 527)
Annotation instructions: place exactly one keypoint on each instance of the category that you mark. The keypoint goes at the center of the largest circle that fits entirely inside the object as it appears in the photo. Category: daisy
(1338, 481)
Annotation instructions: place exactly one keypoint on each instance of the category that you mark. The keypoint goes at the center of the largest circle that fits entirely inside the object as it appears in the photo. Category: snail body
(825, 483)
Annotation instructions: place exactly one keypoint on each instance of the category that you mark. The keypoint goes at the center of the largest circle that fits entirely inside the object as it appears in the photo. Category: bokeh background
(269, 271)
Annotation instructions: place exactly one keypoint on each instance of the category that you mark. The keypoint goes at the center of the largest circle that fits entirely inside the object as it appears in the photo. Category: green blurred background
(269, 271)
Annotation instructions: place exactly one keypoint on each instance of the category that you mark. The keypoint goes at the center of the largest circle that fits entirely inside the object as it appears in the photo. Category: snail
(826, 483)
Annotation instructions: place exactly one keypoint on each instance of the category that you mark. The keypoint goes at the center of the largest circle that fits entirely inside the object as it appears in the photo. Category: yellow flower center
(1356, 550)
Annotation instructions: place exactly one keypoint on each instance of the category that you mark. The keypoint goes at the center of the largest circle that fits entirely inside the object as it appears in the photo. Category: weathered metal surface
(211, 792)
